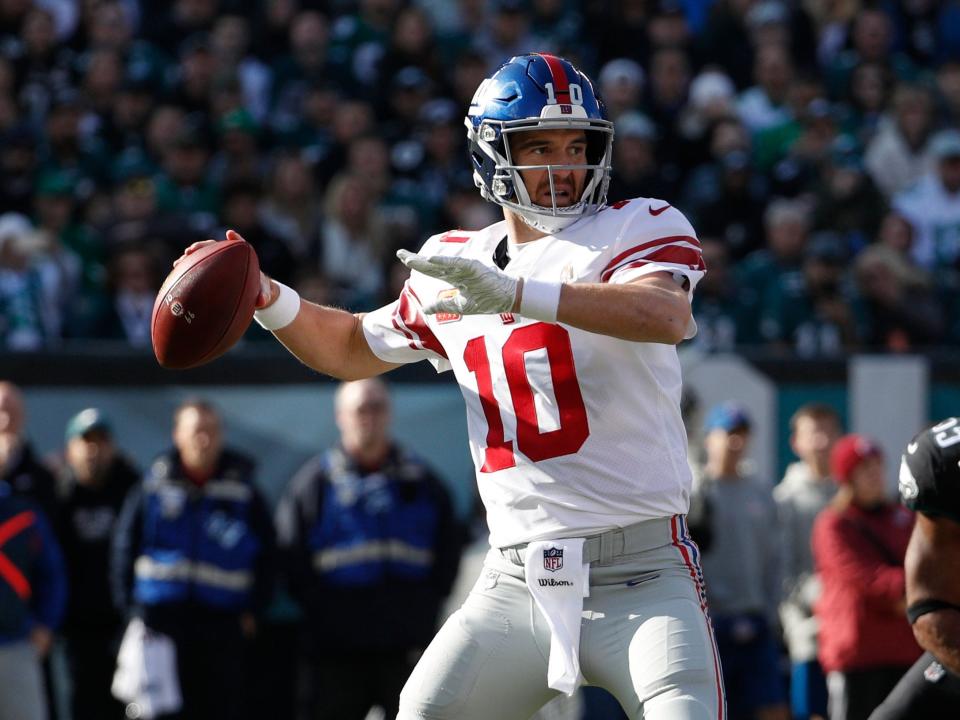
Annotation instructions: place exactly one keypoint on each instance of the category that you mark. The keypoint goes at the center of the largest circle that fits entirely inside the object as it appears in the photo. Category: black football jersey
(930, 471)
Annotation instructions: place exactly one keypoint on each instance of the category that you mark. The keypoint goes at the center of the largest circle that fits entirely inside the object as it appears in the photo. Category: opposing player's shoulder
(930, 470)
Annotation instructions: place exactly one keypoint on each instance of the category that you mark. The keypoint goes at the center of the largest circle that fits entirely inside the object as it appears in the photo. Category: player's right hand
(483, 290)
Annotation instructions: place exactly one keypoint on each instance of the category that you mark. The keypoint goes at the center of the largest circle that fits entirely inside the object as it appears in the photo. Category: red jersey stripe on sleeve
(641, 263)
(409, 319)
(667, 256)
(454, 237)
(677, 256)
(669, 253)
(649, 244)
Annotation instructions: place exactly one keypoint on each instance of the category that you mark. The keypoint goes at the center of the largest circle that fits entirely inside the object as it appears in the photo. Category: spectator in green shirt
(786, 225)
(809, 312)
(183, 185)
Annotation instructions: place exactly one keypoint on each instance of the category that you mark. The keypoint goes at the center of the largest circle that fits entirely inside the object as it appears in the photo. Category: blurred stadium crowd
(814, 145)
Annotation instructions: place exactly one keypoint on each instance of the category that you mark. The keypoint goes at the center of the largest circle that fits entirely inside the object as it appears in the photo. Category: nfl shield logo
(934, 672)
(447, 317)
(553, 559)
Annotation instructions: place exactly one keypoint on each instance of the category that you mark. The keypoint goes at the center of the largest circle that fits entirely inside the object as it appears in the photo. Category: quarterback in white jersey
(571, 432)
(560, 324)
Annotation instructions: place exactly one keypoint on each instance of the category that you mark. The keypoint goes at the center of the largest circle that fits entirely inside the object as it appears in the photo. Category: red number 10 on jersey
(536, 445)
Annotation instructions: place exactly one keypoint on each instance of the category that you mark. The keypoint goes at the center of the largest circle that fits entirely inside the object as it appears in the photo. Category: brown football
(205, 304)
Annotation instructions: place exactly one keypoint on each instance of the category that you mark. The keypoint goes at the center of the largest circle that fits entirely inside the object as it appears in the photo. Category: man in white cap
(621, 85)
(932, 205)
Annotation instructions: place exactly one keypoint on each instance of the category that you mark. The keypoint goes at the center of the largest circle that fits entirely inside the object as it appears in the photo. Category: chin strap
(501, 256)
(922, 607)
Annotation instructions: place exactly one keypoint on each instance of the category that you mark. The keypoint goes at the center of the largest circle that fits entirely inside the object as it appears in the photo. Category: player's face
(363, 416)
(198, 438)
(89, 455)
(551, 147)
(726, 447)
(814, 437)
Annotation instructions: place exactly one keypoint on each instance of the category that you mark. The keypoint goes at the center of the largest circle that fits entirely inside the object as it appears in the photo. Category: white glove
(483, 290)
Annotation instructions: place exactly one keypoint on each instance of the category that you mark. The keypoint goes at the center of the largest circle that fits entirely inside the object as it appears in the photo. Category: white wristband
(540, 299)
(281, 312)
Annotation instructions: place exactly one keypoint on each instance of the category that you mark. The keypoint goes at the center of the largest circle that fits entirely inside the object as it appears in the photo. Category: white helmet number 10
(575, 92)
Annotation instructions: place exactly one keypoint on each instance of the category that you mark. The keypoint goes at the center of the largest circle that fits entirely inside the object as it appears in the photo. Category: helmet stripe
(561, 86)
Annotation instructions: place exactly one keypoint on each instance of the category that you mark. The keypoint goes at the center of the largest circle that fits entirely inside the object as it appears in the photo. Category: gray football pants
(644, 636)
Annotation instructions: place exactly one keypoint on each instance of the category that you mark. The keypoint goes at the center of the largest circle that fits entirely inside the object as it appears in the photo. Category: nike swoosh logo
(912, 447)
(640, 580)
(658, 210)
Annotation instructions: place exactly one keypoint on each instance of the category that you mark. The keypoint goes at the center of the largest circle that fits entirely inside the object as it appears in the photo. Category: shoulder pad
(649, 207)
(930, 470)
(650, 217)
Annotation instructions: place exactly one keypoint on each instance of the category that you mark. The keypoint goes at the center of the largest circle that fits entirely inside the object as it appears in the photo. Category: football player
(930, 485)
(560, 324)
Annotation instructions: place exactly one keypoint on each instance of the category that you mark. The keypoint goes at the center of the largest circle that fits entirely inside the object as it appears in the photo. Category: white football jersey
(572, 433)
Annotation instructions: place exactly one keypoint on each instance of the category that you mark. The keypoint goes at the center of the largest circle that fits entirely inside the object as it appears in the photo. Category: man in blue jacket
(33, 595)
(192, 554)
(371, 547)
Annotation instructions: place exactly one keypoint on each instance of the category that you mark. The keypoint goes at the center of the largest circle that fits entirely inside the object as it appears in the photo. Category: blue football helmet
(534, 92)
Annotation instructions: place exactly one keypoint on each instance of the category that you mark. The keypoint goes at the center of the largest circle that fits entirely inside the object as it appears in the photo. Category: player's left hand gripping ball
(483, 290)
(206, 303)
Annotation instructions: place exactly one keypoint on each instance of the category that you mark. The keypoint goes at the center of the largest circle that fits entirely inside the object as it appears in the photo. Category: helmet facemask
(493, 159)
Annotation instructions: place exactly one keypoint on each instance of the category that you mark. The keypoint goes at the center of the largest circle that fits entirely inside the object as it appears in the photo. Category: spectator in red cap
(859, 542)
